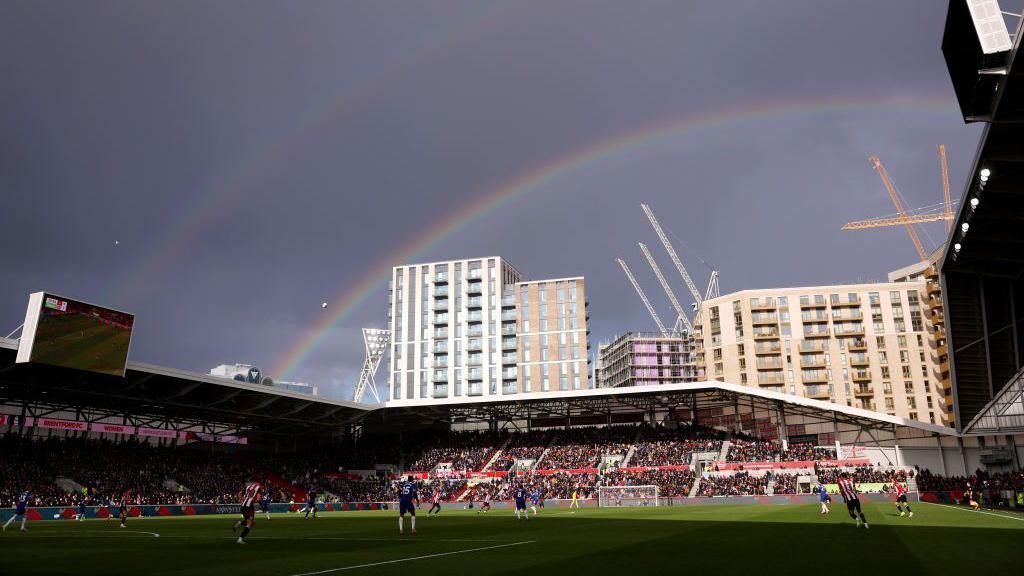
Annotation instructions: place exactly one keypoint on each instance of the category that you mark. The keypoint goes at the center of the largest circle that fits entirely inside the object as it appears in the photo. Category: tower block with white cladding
(474, 328)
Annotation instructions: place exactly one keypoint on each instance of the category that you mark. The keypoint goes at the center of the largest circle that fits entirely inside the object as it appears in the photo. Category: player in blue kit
(265, 502)
(823, 498)
(534, 500)
(311, 504)
(407, 495)
(81, 509)
(519, 494)
(20, 509)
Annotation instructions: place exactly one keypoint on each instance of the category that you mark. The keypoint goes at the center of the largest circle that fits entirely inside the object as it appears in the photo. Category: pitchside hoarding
(63, 332)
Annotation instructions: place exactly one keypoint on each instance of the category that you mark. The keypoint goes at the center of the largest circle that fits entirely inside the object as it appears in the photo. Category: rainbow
(178, 242)
(353, 296)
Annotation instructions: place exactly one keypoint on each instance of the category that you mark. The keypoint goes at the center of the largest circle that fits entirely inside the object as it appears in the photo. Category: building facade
(475, 328)
(869, 346)
(646, 358)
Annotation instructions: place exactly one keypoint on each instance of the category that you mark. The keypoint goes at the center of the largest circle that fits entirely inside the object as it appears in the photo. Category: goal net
(621, 496)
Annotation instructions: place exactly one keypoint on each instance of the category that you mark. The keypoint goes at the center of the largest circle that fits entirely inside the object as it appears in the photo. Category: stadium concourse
(182, 443)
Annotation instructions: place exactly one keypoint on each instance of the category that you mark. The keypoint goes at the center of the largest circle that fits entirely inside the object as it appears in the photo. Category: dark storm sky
(251, 159)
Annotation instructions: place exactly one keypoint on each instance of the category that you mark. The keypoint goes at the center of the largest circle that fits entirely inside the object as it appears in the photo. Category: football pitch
(707, 539)
(81, 342)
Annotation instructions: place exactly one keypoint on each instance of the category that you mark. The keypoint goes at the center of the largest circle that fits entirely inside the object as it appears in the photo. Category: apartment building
(475, 328)
(864, 345)
(646, 358)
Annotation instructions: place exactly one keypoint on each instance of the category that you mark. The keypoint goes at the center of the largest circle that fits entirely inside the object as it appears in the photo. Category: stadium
(133, 468)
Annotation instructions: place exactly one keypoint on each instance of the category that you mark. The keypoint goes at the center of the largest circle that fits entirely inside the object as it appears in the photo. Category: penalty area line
(1019, 519)
(412, 558)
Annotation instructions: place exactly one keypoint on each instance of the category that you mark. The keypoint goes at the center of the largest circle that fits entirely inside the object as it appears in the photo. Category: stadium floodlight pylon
(627, 496)
(376, 342)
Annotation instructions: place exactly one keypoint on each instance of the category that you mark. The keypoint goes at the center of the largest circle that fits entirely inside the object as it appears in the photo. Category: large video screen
(64, 332)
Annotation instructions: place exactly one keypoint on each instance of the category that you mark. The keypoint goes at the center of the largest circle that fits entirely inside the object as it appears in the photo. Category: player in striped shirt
(250, 496)
(901, 498)
(123, 512)
(436, 506)
(849, 492)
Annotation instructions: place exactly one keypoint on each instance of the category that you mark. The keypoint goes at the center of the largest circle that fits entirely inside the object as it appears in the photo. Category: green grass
(757, 540)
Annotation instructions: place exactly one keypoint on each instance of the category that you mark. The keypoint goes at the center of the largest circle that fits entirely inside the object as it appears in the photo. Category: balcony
(440, 376)
(816, 333)
(441, 362)
(812, 361)
(475, 275)
(474, 303)
(766, 334)
(861, 376)
(850, 315)
(861, 391)
(818, 302)
(814, 376)
(440, 319)
(474, 317)
(813, 316)
(508, 343)
(848, 330)
(441, 334)
(838, 302)
(510, 374)
(812, 346)
(768, 304)
(770, 379)
(858, 345)
(474, 346)
(764, 318)
(440, 390)
(441, 305)
(509, 358)
(938, 318)
(441, 278)
(508, 301)
(817, 392)
(476, 375)
(475, 331)
(508, 329)
(508, 316)
(441, 292)
(934, 289)
(859, 360)
(475, 360)
(475, 289)
(769, 364)
(767, 348)
(440, 347)
(931, 273)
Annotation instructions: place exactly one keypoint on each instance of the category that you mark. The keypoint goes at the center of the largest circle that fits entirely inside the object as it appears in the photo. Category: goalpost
(623, 496)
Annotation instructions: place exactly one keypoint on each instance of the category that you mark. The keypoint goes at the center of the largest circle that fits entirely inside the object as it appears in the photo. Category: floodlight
(989, 25)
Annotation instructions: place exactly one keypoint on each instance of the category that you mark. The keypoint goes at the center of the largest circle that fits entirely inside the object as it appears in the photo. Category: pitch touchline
(424, 557)
(975, 511)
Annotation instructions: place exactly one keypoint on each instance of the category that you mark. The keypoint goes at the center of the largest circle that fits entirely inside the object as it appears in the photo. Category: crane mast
(665, 286)
(945, 187)
(672, 254)
(640, 293)
(891, 188)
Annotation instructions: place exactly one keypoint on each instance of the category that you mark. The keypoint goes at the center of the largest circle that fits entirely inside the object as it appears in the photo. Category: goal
(622, 496)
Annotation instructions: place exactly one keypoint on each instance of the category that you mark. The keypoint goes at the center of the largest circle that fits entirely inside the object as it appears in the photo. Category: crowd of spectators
(584, 447)
(666, 446)
(861, 474)
(784, 484)
(739, 484)
(742, 450)
(806, 451)
(670, 483)
(522, 446)
(463, 450)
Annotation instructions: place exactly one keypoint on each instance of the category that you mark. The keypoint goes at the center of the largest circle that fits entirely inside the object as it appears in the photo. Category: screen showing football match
(64, 332)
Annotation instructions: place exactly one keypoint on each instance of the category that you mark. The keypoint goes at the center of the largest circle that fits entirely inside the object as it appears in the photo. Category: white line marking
(424, 557)
(1019, 519)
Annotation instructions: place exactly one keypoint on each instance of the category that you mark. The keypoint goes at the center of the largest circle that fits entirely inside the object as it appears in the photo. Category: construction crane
(682, 318)
(698, 299)
(945, 187)
(902, 218)
(640, 293)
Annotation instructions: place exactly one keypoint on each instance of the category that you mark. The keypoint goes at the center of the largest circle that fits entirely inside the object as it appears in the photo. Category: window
(912, 404)
(908, 386)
